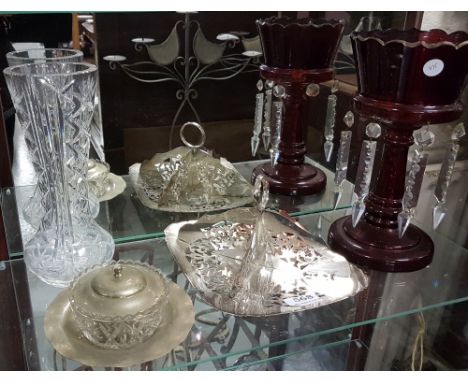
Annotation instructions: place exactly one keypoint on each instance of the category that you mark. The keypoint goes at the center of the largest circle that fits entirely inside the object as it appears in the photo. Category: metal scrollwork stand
(208, 62)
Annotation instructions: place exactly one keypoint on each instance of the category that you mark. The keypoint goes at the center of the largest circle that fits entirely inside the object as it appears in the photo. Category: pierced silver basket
(252, 262)
(189, 179)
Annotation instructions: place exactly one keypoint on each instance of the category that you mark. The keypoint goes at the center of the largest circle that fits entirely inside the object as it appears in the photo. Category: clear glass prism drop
(278, 108)
(330, 117)
(348, 119)
(438, 214)
(357, 211)
(274, 156)
(373, 130)
(414, 179)
(278, 114)
(365, 167)
(343, 157)
(266, 137)
(260, 85)
(312, 90)
(329, 126)
(458, 131)
(446, 172)
(404, 220)
(337, 194)
(254, 143)
(424, 137)
(257, 122)
(328, 150)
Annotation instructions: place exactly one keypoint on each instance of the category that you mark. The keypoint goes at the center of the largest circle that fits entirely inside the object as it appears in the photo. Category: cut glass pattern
(55, 105)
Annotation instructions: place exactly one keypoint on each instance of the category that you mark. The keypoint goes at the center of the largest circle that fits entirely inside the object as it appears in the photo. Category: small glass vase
(54, 103)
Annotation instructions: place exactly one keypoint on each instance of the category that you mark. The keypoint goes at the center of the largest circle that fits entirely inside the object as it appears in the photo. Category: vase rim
(16, 54)
(404, 37)
(19, 70)
(305, 22)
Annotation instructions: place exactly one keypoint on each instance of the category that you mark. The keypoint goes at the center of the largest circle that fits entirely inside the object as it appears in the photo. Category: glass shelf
(219, 341)
(128, 220)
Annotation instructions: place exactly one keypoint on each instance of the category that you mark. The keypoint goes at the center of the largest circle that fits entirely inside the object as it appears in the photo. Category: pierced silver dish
(252, 262)
(189, 179)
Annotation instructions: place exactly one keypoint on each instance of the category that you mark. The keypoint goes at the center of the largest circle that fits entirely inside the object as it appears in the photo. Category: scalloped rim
(98, 317)
(360, 36)
(311, 22)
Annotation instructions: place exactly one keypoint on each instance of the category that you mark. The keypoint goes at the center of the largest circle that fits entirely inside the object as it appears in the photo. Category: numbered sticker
(301, 300)
(433, 67)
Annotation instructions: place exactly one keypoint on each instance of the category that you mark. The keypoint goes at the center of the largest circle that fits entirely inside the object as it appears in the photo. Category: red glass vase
(297, 53)
(407, 79)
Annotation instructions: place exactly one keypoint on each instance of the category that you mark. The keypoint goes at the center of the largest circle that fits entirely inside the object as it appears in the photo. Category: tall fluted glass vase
(40, 56)
(54, 103)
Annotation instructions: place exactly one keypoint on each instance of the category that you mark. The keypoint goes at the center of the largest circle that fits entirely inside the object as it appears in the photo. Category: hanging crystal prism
(330, 122)
(445, 175)
(255, 140)
(329, 127)
(274, 151)
(266, 136)
(343, 157)
(364, 172)
(414, 177)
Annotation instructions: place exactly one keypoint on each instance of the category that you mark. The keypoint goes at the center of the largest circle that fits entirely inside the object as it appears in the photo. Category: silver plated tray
(189, 179)
(252, 262)
(64, 335)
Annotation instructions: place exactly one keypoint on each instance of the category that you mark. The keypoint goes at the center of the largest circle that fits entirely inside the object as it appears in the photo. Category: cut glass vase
(33, 209)
(54, 103)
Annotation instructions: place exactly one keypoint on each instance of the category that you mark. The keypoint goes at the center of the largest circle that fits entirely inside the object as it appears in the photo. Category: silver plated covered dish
(189, 179)
(253, 262)
(119, 305)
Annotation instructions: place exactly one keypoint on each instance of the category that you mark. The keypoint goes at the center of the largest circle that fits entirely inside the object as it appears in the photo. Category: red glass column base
(381, 248)
(303, 179)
